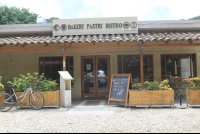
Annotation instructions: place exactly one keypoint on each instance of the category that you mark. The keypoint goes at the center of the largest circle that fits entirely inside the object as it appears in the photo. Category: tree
(50, 20)
(195, 18)
(14, 15)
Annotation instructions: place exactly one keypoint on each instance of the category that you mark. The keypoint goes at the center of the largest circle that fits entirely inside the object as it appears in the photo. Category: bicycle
(36, 99)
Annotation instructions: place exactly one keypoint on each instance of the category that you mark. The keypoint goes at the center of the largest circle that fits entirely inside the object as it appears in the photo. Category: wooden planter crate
(151, 97)
(193, 97)
(2, 98)
(50, 98)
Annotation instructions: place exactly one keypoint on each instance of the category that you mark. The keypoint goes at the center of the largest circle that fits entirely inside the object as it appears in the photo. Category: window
(51, 65)
(131, 64)
(178, 65)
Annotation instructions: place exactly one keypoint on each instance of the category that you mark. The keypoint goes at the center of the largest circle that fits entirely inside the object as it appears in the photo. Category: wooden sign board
(119, 88)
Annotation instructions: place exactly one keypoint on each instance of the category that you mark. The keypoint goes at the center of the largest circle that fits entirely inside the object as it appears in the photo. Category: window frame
(67, 57)
(178, 54)
(140, 67)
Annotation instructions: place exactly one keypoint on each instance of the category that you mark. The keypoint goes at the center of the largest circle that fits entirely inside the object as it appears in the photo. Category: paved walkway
(100, 106)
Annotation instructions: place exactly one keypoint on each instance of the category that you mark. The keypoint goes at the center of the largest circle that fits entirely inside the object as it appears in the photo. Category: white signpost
(65, 89)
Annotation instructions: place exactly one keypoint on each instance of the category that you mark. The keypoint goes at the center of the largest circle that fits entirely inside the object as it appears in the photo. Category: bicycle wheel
(6, 102)
(36, 100)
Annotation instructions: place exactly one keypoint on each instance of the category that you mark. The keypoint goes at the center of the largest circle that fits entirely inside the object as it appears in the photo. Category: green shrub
(137, 86)
(48, 85)
(1, 85)
(164, 85)
(151, 85)
(34, 81)
(193, 83)
(25, 82)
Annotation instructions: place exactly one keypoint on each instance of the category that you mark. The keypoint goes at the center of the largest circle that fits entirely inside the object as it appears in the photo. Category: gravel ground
(126, 121)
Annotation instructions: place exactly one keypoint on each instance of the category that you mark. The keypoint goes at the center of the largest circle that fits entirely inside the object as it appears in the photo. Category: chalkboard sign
(119, 88)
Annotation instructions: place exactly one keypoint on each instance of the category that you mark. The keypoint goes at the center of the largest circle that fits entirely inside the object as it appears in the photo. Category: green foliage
(48, 85)
(34, 81)
(195, 18)
(25, 82)
(151, 85)
(137, 86)
(1, 85)
(164, 85)
(14, 15)
(50, 20)
(193, 83)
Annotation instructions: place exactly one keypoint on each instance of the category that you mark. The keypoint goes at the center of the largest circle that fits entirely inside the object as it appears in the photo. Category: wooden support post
(64, 61)
(141, 67)
(191, 66)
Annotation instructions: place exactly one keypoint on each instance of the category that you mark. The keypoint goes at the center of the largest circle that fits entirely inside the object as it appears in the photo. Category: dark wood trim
(64, 60)
(141, 67)
(148, 66)
(191, 73)
(109, 99)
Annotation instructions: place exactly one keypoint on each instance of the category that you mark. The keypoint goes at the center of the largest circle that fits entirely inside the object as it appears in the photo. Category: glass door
(103, 75)
(95, 76)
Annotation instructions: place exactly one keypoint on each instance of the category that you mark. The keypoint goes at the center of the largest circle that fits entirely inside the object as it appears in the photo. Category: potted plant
(46, 87)
(1, 91)
(193, 91)
(137, 78)
(152, 93)
(49, 88)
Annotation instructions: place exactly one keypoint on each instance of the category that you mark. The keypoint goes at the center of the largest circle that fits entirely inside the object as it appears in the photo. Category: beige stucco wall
(28, 61)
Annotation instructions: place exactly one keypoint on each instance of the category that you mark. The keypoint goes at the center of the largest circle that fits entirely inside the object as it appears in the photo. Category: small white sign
(64, 64)
(88, 66)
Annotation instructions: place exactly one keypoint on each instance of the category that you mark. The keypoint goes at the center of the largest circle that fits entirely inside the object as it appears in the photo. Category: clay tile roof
(165, 36)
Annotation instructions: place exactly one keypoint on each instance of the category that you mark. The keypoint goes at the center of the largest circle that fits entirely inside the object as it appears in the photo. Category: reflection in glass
(102, 67)
(130, 64)
(88, 86)
(119, 64)
(41, 65)
(151, 67)
(178, 65)
(102, 86)
(145, 67)
(52, 66)
(163, 66)
(88, 68)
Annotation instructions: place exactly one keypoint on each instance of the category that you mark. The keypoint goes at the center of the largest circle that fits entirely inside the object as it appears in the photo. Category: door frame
(95, 78)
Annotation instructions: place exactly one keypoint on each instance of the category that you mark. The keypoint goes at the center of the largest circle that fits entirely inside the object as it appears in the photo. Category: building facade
(150, 50)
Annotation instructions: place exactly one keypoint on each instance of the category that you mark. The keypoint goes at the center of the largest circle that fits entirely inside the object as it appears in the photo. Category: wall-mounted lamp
(117, 39)
(63, 50)
(142, 49)
(70, 40)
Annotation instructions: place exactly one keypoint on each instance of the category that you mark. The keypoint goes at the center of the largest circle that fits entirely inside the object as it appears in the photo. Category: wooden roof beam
(191, 41)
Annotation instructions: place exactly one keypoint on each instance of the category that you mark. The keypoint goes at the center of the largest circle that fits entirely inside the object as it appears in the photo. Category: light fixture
(117, 38)
(70, 40)
(63, 50)
(144, 64)
(169, 60)
(142, 49)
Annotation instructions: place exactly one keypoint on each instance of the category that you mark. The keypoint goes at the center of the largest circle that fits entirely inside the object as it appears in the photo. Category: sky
(145, 10)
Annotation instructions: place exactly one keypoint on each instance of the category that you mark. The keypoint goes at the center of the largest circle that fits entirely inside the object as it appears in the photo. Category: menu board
(119, 88)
